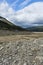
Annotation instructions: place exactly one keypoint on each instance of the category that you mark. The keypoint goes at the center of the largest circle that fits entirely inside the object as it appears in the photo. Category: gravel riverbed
(22, 52)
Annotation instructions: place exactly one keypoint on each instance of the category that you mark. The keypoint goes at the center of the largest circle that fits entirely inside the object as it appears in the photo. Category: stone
(1, 48)
(22, 52)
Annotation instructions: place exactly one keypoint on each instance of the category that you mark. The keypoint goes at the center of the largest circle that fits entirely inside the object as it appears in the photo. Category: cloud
(5, 10)
(30, 14)
(24, 3)
(20, 4)
(14, 3)
(24, 17)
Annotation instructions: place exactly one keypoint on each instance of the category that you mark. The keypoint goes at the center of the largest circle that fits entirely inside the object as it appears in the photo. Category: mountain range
(35, 29)
(7, 25)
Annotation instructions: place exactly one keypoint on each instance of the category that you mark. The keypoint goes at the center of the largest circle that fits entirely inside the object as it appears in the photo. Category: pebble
(17, 53)
(1, 48)
(9, 58)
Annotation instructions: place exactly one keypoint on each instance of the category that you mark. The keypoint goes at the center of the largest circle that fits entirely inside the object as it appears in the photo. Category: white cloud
(14, 3)
(23, 4)
(30, 14)
(5, 10)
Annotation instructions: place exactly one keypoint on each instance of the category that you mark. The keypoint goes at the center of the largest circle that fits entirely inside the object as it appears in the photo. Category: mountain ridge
(35, 29)
(4, 23)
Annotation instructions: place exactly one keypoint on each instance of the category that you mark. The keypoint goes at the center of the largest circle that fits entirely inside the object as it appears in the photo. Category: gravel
(22, 52)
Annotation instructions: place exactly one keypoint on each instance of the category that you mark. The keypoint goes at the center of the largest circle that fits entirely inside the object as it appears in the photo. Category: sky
(24, 13)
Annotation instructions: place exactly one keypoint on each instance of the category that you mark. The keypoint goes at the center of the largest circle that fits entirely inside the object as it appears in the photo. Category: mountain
(7, 25)
(35, 29)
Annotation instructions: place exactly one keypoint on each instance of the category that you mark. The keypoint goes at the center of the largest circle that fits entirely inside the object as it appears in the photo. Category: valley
(20, 46)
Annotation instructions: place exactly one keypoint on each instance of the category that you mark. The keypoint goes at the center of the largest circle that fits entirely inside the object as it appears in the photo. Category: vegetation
(6, 25)
(35, 29)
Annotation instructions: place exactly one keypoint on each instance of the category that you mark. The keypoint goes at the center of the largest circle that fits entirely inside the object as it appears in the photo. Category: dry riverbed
(21, 49)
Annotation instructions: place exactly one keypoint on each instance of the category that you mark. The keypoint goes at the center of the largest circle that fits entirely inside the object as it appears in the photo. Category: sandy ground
(24, 35)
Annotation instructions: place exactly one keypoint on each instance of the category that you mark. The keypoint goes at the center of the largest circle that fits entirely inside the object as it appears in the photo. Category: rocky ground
(25, 51)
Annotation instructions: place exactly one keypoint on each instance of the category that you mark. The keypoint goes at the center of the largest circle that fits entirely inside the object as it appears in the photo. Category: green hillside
(7, 25)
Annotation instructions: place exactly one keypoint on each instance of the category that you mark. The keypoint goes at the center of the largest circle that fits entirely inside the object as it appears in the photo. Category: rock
(25, 63)
(41, 45)
(30, 54)
(39, 59)
(9, 58)
(1, 48)
(22, 52)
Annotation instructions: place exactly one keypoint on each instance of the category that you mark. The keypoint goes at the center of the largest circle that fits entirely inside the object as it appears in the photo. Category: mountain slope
(6, 25)
(35, 28)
